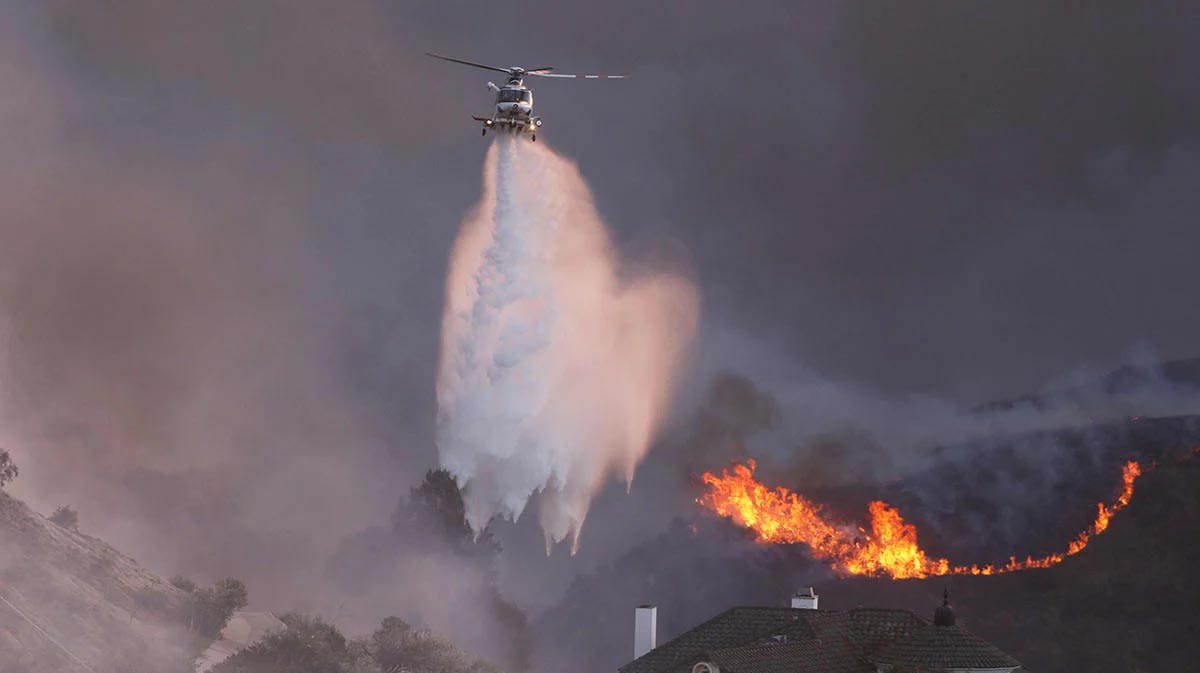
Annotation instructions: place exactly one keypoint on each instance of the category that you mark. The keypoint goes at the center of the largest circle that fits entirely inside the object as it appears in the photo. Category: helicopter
(514, 100)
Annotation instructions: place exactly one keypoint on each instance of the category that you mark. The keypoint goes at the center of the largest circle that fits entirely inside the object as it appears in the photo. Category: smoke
(219, 289)
(170, 361)
(555, 372)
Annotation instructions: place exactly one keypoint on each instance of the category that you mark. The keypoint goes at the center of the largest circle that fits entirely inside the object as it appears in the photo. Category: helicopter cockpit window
(515, 96)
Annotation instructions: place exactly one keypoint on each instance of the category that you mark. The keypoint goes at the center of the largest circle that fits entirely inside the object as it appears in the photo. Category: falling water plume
(555, 369)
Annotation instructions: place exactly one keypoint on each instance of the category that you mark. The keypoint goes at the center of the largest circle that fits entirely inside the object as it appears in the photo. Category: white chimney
(645, 630)
(805, 599)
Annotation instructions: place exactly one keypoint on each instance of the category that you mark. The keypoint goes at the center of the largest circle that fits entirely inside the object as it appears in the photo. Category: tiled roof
(936, 648)
(787, 640)
(875, 628)
(733, 628)
(808, 656)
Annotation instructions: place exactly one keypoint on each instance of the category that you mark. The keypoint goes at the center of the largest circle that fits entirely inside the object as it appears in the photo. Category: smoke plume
(555, 371)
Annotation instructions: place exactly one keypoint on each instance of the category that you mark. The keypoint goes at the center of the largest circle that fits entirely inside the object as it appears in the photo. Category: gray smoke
(222, 246)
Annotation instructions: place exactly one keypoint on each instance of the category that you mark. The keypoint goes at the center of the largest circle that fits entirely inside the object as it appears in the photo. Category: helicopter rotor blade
(556, 74)
(506, 71)
(537, 71)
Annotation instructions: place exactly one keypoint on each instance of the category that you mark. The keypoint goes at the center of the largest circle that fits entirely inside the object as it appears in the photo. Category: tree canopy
(436, 506)
(311, 645)
(66, 517)
(8, 469)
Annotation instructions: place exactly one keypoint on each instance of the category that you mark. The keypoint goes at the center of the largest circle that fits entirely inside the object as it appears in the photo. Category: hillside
(1129, 380)
(1123, 605)
(80, 595)
(1126, 604)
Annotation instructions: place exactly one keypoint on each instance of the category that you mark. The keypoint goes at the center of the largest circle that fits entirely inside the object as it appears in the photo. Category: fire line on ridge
(888, 548)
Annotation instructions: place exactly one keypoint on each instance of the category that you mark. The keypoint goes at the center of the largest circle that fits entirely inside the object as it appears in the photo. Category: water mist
(555, 370)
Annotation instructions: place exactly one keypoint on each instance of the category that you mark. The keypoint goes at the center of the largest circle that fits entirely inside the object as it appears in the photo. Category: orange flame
(889, 548)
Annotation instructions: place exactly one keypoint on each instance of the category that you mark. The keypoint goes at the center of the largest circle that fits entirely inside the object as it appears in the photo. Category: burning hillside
(982, 501)
(889, 548)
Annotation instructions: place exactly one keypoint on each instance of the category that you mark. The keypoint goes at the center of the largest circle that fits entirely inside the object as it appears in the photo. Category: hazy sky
(955, 198)
(227, 223)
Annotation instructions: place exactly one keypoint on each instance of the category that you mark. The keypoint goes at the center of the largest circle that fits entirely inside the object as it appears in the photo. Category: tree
(436, 506)
(66, 517)
(434, 513)
(311, 645)
(395, 646)
(308, 645)
(514, 627)
(212, 607)
(387, 644)
(8, 469)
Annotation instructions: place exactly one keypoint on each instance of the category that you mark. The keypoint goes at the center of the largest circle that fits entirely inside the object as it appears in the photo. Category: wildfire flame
(890, 546)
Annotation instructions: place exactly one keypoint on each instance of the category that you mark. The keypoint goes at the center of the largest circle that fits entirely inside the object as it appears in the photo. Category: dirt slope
(86, 606)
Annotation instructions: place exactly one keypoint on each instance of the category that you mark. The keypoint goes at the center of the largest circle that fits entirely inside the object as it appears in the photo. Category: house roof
(732, 628)
(934, 648)
(874, 628)
(789, 640)
(838, 656)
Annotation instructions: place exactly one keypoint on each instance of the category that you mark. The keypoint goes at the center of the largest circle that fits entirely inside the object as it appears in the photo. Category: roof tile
(788, 640)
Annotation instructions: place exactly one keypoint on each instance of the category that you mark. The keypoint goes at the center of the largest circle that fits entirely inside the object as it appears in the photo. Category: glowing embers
(889, 548)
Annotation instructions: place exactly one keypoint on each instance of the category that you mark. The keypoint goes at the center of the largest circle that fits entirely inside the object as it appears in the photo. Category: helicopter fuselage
(514, 110)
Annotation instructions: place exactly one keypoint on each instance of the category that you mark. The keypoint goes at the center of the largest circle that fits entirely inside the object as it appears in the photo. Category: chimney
(645, 630)
(805, 599)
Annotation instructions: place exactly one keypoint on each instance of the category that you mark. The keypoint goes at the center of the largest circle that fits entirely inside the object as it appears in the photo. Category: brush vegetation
(312, 645)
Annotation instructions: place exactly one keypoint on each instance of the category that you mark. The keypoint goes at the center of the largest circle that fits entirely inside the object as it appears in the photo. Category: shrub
(396, 646)
(66, 517)
(147, 598)
(8, 469)
(212, 607)
(311, 645)
(308, 645)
